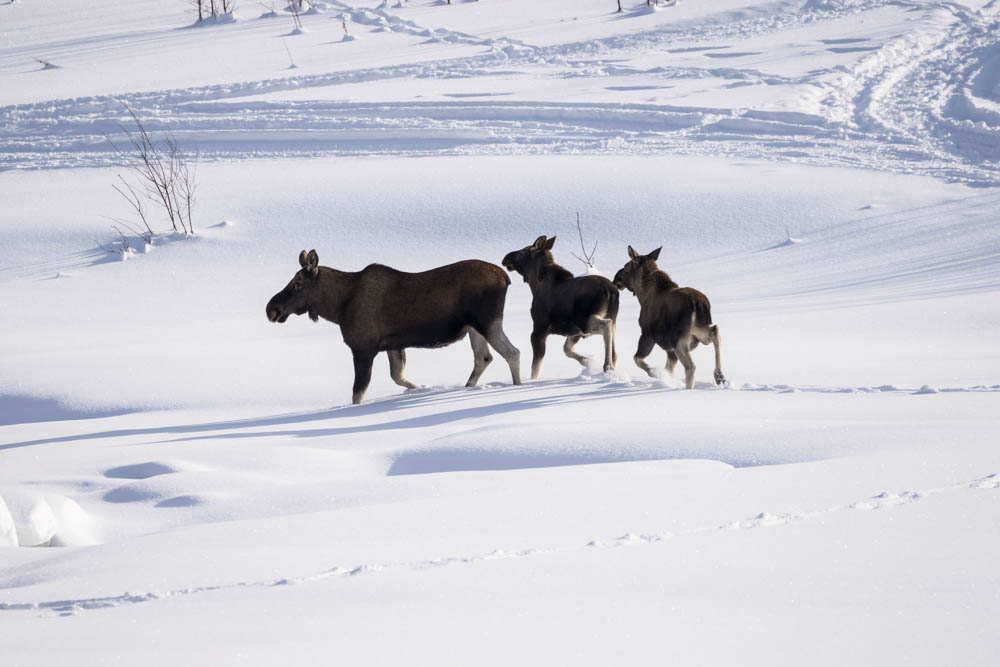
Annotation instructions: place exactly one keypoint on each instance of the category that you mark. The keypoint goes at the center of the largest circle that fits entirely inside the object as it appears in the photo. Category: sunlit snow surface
(202, 492)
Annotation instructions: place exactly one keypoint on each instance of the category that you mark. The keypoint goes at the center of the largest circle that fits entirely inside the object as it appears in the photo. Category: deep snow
(825, 171)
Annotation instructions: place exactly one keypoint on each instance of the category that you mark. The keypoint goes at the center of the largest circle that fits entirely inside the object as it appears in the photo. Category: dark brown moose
(564, 305)
(381, 309)
(675, 318)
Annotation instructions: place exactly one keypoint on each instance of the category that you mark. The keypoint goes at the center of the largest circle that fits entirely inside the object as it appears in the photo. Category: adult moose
(675, 318)
(381, 309)
(564, 305)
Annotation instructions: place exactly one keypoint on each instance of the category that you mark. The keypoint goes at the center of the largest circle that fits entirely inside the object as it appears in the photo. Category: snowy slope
(825, 171)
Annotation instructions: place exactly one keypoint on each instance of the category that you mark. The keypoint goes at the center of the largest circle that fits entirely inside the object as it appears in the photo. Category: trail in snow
(924, 102)
(881, 501)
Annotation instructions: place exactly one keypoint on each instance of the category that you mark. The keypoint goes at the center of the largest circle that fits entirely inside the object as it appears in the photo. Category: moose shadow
(447, 405)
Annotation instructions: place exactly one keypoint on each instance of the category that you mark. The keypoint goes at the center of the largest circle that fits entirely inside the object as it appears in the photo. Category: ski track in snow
(881, 501)
(924, 102)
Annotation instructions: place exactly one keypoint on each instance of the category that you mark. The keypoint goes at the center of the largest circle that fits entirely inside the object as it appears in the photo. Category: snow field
(823, 171)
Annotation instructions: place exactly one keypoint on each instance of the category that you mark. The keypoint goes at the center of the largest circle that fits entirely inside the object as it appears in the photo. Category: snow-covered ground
(825, 171)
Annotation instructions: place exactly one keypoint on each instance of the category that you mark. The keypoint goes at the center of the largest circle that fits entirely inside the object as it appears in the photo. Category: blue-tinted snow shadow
(17, 409)
(470, 459)
(449, 402)
(446, 403)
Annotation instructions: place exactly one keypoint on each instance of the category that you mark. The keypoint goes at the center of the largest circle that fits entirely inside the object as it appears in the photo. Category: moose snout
(508, 261)
(619, 280)
(274, 313)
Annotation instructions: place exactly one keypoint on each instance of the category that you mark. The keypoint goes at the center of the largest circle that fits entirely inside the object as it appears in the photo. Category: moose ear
(302, 259)
(552, 242)
(655, 254)
(539, 243)
(632, 254)
(312, 263)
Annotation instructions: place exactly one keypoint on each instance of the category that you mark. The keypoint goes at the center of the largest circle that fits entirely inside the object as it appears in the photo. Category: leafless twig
(119, 247)
(135, 201)
(293, 5)
(588, 258)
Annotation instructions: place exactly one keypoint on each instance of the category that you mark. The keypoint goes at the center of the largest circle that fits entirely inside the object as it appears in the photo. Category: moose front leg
(645, 347)
(362, 374)
(538, 337)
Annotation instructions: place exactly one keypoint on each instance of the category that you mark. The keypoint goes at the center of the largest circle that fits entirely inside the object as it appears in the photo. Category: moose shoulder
(380, 309)
(673, 317)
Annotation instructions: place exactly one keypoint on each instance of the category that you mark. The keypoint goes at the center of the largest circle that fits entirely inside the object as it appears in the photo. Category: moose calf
(382, 309)
(564, 305)
(675, 318)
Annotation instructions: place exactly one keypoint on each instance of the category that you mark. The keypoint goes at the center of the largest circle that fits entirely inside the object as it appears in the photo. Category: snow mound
(33, 518)
(548, 445)
(8, 533)
(74, 527)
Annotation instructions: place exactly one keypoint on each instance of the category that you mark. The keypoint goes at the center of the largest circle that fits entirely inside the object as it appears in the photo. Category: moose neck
(653, 283)
(545, 273)
(336, 289)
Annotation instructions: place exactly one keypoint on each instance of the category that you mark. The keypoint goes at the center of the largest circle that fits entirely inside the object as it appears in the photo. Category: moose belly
(567, 329)
(427, 334)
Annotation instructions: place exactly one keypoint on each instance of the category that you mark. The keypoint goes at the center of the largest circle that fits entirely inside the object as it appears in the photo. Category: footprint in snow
(988, 482)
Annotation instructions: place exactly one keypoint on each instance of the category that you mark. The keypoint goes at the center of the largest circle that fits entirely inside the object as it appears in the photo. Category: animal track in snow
(884, 500)
(923, 102)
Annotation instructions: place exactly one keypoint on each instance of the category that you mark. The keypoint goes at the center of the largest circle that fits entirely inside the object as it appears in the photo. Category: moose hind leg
(481, 356)
(397, 362)
(645, 347)
(614, 346)
(683, 351)
(605, 327)
(671, 361)
(568, 348)
(720, 379)
(498, 341)
(362, 374)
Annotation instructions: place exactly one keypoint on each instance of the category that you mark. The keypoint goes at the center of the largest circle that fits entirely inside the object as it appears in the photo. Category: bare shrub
(214, 8)
(161, 175)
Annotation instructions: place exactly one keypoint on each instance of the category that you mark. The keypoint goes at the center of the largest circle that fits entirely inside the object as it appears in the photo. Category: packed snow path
(925, 100)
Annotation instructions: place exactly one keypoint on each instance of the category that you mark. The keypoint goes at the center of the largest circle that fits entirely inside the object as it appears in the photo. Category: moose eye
(297, 286)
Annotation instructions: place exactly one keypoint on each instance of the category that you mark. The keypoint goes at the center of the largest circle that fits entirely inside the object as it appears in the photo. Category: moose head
(531, 260)
(639, 266)
(301, 294)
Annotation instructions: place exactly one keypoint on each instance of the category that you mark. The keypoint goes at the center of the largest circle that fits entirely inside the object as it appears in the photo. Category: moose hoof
(720, 379)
